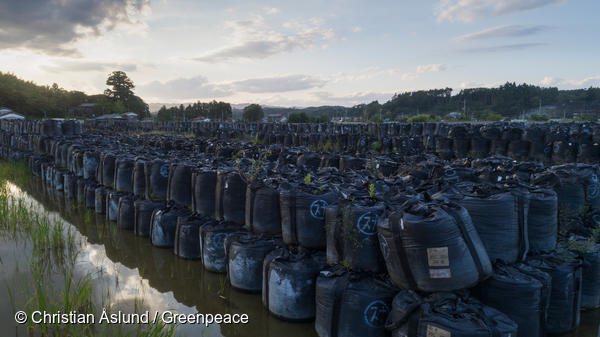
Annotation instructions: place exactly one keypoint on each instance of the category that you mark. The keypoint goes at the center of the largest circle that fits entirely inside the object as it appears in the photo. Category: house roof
(110, 116)
(10, 115)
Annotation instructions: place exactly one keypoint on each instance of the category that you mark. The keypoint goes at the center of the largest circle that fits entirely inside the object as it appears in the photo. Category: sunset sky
(300, 53)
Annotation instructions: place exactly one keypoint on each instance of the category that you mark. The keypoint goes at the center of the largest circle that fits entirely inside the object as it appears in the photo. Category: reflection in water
(129, 269)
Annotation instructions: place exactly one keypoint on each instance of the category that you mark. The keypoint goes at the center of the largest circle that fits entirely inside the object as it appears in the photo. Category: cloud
(200, 87)
(278, 84)
(77, 66)
(272, 11)
(501, 48)
(471, 10)
(357, 29)
(593, 81)
(375, 72)
(254, 39)
(51, 27)
(430, 68)
(503, 31)
(183, 88)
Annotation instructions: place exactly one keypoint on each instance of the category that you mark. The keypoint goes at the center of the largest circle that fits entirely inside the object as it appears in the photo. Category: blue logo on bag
(385, 247)
(376, 313)
(592, 191)
(164, 170)
(219, 239)
(317, 209)
(367, 223)
(450, 172)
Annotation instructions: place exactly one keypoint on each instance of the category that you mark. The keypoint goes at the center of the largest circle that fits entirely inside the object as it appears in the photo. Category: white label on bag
(434, 331)
(440, 273)
(438, 257)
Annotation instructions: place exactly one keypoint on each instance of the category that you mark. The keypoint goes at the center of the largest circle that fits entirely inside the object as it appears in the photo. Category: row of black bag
(430, 226)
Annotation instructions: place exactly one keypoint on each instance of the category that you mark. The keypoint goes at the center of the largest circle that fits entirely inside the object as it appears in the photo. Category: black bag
(303, 217)
(516, 294)
(212, 244)
(204, 183)
(263, 214)
(500, 219)
(445, 315)
(565, 298)
(245, 253)
(542, 220)
(352, 236)
(352, 304)
(289, 278)
(179, 185)
(432, 247)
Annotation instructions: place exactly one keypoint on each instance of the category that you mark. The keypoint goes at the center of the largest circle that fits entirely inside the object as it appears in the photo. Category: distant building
(454, 114)
(9, 114)
(83, 108)
(130, 115)
(111, 117)
(275, 118)
(201, 119)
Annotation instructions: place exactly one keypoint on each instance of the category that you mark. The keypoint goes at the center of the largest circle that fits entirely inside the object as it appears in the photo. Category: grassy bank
(46, 250)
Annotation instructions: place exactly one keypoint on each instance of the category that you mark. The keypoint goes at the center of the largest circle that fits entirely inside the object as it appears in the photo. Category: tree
(298, 117)
(253, 113)
(136, 104)
(372, 109)
(122, 86)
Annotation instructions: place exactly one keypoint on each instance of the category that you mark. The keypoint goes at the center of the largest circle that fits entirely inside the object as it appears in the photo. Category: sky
(300, 53)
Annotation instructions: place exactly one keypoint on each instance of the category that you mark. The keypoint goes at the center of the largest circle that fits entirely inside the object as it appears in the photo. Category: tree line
(508, 100)
(42, 101)
(213, 110)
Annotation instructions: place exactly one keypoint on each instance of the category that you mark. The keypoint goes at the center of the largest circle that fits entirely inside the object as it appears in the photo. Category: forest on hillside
(508, 100)
(40, 101)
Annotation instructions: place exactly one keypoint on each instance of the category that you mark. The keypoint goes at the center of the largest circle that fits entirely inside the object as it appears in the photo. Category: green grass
(52, 283)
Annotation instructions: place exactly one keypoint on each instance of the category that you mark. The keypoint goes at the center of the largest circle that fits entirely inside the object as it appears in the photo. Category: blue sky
(293, 53)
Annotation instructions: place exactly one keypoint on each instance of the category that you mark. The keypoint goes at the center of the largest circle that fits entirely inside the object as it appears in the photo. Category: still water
(131, 273)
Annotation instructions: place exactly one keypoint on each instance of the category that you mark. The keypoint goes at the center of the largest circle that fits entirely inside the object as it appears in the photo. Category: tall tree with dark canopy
(121, 93)
(253, 113)
(122, 86)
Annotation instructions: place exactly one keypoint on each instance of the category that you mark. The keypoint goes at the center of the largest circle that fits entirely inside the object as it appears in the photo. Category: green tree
(122, 86)
(164, 114)
(137, 105)
(538, 118)
(420, 118)
(320, 119)
(371, 110)
(298, 117)
(253, 113)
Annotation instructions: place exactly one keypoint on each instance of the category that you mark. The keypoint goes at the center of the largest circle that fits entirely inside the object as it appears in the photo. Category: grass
(162, 132)
(51, 282)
